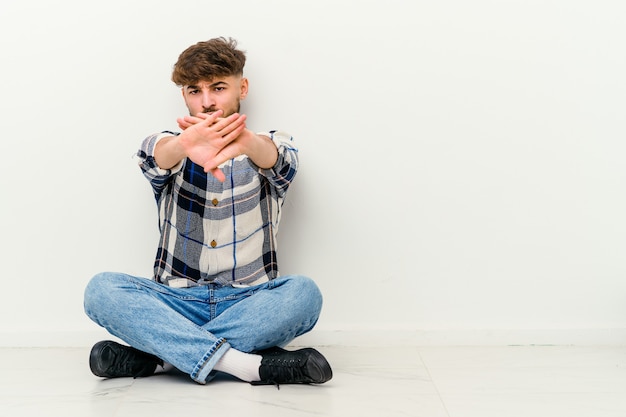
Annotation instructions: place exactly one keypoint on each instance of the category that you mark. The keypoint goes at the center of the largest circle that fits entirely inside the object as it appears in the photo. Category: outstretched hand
(210, 140)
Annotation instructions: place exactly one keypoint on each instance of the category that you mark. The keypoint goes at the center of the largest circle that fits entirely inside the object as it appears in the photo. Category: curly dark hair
(217, 57)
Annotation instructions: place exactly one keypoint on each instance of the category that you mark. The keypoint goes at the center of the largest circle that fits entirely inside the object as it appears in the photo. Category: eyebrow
(215, 84)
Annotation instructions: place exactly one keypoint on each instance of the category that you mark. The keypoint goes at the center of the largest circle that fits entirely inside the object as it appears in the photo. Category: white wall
(462, 175)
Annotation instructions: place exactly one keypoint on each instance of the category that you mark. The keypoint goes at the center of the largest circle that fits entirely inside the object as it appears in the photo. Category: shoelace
(285, 370)
(125, 363)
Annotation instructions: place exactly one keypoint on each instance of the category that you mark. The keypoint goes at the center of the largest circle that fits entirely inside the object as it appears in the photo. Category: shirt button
(213, 243)
(214, 201)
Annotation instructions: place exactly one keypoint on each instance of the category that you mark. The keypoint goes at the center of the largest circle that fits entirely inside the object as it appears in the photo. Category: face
(221, 93)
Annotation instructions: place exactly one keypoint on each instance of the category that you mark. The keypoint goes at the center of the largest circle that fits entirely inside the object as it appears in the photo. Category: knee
(306, 292)
(308, 301)
(98, 285)
(310, 289)
(99, 291)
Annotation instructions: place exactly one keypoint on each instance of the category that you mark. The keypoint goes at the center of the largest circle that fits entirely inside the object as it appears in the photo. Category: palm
(199, 147)
(209, 141)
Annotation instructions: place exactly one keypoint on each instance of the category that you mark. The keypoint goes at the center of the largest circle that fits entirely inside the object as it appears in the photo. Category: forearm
(262, 151)
(168, 152)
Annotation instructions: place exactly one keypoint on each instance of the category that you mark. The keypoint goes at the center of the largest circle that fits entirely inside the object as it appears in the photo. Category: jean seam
(140, 284)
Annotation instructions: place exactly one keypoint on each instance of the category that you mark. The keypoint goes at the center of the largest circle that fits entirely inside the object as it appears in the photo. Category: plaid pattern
(213, 232)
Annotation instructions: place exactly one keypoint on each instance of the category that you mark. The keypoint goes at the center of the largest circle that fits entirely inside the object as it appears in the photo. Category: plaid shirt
(214, 232)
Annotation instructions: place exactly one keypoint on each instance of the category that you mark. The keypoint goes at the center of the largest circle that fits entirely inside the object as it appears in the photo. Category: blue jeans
(191, 328)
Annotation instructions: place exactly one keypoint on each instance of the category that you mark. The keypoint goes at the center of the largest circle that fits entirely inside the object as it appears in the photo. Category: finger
(210, 118)
(231, 150)
(230, 125)
(193, 120)
(182, 123)
(225, 122)
(202, 120)
(218, 174)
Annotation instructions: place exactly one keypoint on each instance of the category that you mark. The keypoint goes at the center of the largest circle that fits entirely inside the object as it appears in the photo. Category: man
(216, 302)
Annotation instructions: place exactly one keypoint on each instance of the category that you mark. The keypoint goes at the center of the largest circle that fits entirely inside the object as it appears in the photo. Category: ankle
(244, 366)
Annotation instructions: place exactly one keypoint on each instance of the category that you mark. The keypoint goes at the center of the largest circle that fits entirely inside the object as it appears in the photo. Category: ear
(244, 88)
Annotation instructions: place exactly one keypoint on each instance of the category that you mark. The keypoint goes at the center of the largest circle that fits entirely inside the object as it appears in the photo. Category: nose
(207, 99)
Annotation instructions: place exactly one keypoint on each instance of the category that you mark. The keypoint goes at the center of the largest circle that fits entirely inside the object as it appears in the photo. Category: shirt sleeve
(284, 170)
(158, 177)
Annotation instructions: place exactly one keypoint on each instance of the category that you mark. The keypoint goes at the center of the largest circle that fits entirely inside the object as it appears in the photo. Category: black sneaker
(304, 366)
(112, 360)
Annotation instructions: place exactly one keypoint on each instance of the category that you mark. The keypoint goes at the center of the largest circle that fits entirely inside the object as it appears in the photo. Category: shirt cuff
(147, 149)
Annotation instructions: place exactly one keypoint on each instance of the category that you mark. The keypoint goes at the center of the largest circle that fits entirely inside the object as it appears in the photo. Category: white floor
(403, 381)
